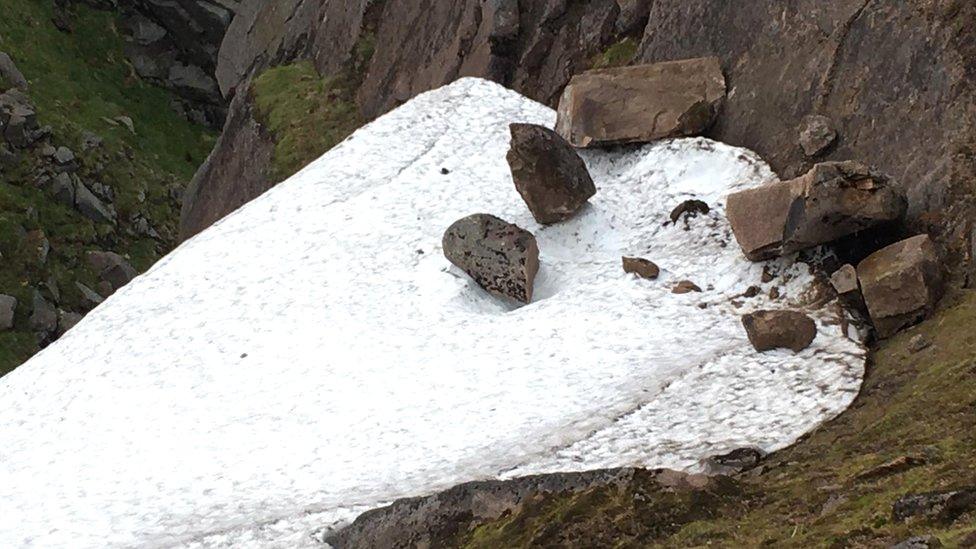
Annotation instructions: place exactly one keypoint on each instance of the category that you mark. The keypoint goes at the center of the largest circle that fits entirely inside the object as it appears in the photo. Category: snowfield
(314, 355)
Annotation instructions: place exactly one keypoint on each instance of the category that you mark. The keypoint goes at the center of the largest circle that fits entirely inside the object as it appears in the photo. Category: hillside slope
(84, 93)
(314, 355)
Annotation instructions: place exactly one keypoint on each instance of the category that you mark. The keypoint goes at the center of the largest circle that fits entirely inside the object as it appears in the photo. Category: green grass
(912, 404)
(77, 81)
(617, 55)
(308, 113)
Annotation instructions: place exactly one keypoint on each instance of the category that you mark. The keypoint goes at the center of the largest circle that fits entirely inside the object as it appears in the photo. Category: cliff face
(894, 79)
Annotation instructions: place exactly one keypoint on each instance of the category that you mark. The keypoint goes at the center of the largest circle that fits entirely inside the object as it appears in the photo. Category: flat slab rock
(500, 256)
(640, 104)
(832, 200)
(551, 178)
(768, 330)
(901, 284)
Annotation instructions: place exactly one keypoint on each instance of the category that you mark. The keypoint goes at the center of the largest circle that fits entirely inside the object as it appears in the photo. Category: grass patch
(617, 55)
(308, 113)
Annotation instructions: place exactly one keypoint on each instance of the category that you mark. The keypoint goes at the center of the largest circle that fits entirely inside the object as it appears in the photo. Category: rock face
(8, 305)
(442, 519)
(901, 284)
(641, 267)
(833, 200)
(502, 258)
(768, 330)
(641, 104)
(548, 174)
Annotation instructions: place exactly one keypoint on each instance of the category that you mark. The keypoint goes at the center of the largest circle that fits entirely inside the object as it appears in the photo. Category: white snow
(314, 355)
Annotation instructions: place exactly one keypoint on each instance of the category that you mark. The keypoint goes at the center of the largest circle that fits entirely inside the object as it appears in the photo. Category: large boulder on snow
(832, 200)
(768, 330)
(548, 173)
(501, 257)
(901, 284)
(642, 103)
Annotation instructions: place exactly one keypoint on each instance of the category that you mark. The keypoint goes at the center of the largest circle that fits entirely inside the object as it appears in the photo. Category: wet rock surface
(768, 330)
(901, 284)
(641, 104)
(551, 178)
(501, 257)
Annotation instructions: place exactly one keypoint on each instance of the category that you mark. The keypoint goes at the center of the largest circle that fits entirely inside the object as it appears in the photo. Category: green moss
(308, 113)
(618, 55)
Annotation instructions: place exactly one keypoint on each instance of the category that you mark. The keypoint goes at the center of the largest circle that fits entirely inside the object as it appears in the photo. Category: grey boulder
(44, 317)
(551, 178)
(501, 257)
(10, 74)
(92, 207)
(643, 103)
(8, 305)
(111, 268)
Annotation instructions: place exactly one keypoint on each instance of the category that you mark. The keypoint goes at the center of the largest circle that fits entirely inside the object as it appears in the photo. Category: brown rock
(641, 267)
(685, 287)
(901, 284)
(501, 257)
(642, 103)
(893, 467)
(816, 135)
(844, 280)
(837, 199)
(111, 268)
(550, 176)
(832, 200)
(758, 216)
(769, 330)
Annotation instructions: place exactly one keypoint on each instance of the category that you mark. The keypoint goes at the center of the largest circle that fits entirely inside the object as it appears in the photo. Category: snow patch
(313, 355)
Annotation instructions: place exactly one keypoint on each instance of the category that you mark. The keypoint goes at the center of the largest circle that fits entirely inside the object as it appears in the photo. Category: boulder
(89, 298)
(62, 187)
(64, 156)
(816, 135)
(10, 74)
(67, 320)
(689, 209)
(844, 280)
(901, 284)
(550, 176)
(832, 200)
(18, 120)
(837, 199)
(44, 317)
(943, 506)
(8, 305)
(736, 461)
(685, 287)
(918, 542)
(758, 216)
(642, 103)
(501, 257)
(91, 207)
(111, 268)
(641, 267)
(769, 330)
